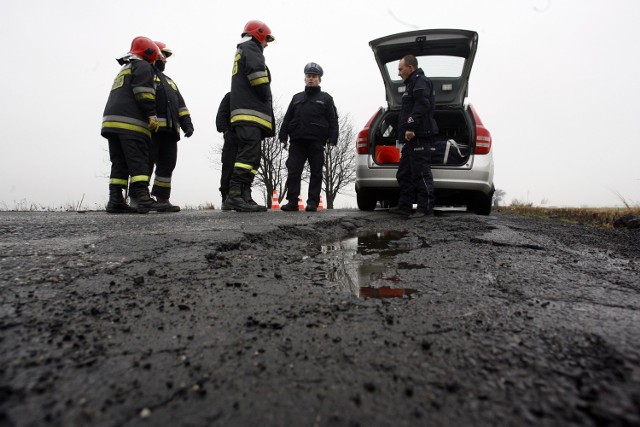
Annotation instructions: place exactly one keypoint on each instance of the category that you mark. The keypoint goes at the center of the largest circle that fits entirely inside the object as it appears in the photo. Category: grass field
(600, 217)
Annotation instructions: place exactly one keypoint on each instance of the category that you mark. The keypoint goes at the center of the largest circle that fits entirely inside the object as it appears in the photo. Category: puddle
(366, 265)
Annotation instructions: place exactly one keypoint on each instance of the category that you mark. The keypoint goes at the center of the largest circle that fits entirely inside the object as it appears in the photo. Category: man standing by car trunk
(416, 129)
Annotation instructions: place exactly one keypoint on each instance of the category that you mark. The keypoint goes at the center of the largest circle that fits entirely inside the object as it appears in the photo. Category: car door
(445, 55)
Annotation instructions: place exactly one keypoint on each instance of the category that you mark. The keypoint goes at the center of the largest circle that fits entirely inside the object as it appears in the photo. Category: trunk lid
(445, 55)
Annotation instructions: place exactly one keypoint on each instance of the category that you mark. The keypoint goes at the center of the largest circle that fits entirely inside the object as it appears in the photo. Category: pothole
(366, 265)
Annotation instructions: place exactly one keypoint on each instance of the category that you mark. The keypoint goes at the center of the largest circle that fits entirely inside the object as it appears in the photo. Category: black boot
(236, 202)
(116, 203)
(170, 207)
(224, 206)
(142, 202)
(246, 195)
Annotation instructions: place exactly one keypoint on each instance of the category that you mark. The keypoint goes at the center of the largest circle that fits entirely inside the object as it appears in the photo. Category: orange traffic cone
(320, 206)
(300, 204)
(274, 201)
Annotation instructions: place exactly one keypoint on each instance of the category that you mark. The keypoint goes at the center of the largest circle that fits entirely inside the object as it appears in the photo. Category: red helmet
(259, 30)
(145, 48)
(164, 50)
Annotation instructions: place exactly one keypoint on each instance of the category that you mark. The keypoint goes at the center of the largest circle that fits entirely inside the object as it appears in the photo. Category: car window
(433, 66)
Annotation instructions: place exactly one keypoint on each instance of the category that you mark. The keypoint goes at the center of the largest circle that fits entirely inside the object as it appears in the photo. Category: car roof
(449, 52)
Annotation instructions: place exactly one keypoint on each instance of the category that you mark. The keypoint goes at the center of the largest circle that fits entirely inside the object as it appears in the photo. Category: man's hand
(285, 143)
(188, 132)
(409, 135)
(153, 123)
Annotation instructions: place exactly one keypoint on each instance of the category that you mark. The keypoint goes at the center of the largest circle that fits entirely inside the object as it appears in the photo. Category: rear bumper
(478, 178)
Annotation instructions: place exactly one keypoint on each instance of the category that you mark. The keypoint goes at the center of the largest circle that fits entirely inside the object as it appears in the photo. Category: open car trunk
(452, 145)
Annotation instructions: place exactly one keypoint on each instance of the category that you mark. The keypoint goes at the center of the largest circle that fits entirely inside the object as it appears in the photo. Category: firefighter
(173, 115)
(311, 121)
(229, 148)
(128, 122)
(251, 113)
(416, 129)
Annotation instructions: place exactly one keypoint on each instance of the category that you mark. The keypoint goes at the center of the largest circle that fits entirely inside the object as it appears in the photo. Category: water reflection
(364, 265)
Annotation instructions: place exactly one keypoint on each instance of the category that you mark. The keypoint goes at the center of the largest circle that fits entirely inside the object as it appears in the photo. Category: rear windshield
(433, 66)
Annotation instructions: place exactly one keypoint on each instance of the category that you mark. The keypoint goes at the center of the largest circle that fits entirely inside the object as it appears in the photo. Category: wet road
(335, 318)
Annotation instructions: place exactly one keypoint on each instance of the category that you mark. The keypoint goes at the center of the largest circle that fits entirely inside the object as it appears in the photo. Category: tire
(366, 200)
(483, 203)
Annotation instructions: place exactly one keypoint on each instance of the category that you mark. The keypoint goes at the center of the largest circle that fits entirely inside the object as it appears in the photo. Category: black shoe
(170, 207)
(119, 208)
(290, 207)
(397, 211)
(311, 208)
(239, 204)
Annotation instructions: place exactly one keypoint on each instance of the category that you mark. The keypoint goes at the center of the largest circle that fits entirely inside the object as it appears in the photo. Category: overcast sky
(555, 81)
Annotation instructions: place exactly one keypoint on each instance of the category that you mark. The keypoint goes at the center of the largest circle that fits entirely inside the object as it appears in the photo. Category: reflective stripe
(140, 178)
(259, 81)
(126, 126)
(183, 112)
(163, 178)
(253, 171)
(246, 111)
(252, 119)
(142, 89)
(257, 75)
(243, 166)
(162, 184)
(124, 119)
(118, 181)
(151, 96)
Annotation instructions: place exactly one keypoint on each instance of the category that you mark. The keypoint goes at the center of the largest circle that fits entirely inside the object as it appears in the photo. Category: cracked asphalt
(336, 318)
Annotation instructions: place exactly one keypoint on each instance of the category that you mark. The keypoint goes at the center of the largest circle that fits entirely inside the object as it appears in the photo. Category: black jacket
(131, 102)
(311, 115)
(223, 118)
(251, 102)
(418, 103)
(173, 114)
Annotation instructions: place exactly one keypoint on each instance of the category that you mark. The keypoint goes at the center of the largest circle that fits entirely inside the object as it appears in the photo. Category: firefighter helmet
(145, 48)
(313, 68)
(259, 30)
(164, 50)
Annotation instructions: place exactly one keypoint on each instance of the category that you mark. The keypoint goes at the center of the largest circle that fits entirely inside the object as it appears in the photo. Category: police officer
(251, 113)
(173, 115)
(416, 129)
(128, 121)
(229, 148)
(311, 121)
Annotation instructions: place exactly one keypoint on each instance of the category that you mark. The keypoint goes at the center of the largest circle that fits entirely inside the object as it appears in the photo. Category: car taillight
(362, 141)
(483, 136)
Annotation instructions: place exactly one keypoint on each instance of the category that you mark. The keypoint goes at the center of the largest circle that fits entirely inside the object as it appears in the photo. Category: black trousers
(414, 176)
(164, 156)
(129, 155)
(247, 160)
(299, 152)
(229, 154)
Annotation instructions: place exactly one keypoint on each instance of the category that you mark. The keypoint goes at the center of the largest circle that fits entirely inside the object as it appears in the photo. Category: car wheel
(483, 203)
(366, 200)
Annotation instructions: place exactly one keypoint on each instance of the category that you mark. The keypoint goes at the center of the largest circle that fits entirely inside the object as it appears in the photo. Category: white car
(462, 160)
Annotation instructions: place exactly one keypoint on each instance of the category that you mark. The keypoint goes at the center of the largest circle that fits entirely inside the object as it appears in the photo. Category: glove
(285, 143)
(188, 132)
(153, 123)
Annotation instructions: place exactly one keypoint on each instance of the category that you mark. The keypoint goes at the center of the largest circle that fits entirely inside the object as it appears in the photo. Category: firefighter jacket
(223, 118)
(131, 102)
(251, 101)
(173, 114)
(418, 103)
(311, 115)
